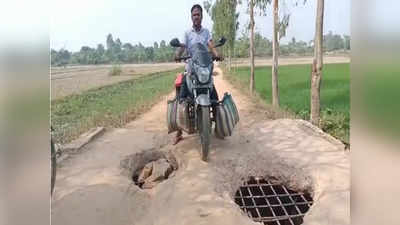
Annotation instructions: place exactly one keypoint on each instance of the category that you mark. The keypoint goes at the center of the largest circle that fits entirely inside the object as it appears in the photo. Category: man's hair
(198, 7)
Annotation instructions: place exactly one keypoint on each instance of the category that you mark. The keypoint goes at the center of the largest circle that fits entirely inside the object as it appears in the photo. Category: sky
(78, 23)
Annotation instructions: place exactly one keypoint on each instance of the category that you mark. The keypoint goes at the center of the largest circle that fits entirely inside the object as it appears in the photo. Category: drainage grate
(272, 204)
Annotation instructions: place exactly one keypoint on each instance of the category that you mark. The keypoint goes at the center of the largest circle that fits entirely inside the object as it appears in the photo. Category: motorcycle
(200, 84)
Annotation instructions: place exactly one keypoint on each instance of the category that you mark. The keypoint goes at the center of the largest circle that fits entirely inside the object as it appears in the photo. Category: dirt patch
(75, 79)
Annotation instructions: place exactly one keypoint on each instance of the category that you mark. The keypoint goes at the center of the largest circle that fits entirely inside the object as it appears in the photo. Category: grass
(294, 90)
(110, 106)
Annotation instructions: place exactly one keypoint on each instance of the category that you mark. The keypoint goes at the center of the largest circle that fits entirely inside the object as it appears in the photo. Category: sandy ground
(75, 79)
(91, 188)
(291, 60)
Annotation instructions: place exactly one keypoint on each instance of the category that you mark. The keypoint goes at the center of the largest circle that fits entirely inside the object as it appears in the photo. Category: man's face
(196, 17)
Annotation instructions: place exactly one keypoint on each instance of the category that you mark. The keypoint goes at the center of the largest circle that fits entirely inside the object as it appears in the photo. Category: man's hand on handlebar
(218, 58)
(178, 59)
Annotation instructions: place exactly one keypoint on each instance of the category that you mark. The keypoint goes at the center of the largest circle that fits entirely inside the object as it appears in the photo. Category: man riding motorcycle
(197, 34)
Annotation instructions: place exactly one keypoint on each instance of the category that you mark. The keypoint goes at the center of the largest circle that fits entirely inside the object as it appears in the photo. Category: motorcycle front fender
(203, 100)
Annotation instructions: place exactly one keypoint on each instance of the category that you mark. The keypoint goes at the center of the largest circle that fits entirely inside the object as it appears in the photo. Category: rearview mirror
(175, 43)
(220, 42)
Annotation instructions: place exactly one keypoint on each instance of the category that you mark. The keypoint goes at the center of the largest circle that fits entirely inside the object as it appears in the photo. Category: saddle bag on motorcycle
(227, 116)
(183, 119)
(172, 115)
(228, 101)
(179, 80)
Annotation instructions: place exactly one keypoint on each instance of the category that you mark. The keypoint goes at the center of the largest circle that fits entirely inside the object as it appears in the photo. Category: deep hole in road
(148, 168)
(272, 203)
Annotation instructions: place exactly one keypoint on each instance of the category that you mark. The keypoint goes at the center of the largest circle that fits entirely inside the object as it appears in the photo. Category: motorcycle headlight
(203, 73)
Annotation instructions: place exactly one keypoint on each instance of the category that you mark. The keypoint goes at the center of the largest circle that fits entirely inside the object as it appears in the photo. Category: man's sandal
(177, 140)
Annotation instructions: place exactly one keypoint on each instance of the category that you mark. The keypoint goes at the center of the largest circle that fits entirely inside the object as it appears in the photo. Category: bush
(115, 70)
(335, 123)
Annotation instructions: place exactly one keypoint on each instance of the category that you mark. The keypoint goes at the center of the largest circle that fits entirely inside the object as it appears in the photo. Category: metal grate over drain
(272, 204)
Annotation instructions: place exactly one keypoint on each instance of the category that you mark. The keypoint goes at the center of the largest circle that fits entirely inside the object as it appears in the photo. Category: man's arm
(214, 51)
(179, 51)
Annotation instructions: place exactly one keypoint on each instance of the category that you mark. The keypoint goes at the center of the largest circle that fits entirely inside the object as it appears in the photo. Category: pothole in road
(271, 203)
(150, 167)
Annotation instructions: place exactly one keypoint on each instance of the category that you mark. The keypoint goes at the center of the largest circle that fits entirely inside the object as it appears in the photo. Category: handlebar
(183, 58)
(188, 57)
(217, 58)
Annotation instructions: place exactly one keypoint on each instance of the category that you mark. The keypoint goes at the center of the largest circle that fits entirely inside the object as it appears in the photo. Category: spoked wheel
(205, 128)
(53, 166)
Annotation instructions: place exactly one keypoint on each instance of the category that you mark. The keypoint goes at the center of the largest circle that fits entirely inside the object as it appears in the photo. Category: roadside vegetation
(109, 106)
(115, 70)
(294, 88)
(116, 51)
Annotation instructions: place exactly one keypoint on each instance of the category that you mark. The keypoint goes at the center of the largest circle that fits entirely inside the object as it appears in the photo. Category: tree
(275, 51)
(100, 49)
(333, 42)
(242, 45)
(100, 54)
(149, 53)
(251, 9)
(88, 55)
(60, 58)
(116, 51)
(53, 57)
(316, 73)
(262, 45)
(127, 46)
(110, 42)
(261, 5)
(225, 23)
(301, 48)
(346, 42)
(279, 27)
(162, 44)
(141, 54)
(110, 46)
(118, 42)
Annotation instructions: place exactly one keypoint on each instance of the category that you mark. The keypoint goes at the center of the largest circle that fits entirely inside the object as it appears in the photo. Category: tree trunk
(275, 52)
(316, 73)
(251, 46)
(230, 59)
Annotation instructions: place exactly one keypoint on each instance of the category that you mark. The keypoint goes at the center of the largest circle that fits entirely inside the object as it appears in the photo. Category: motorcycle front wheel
(204, 125)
